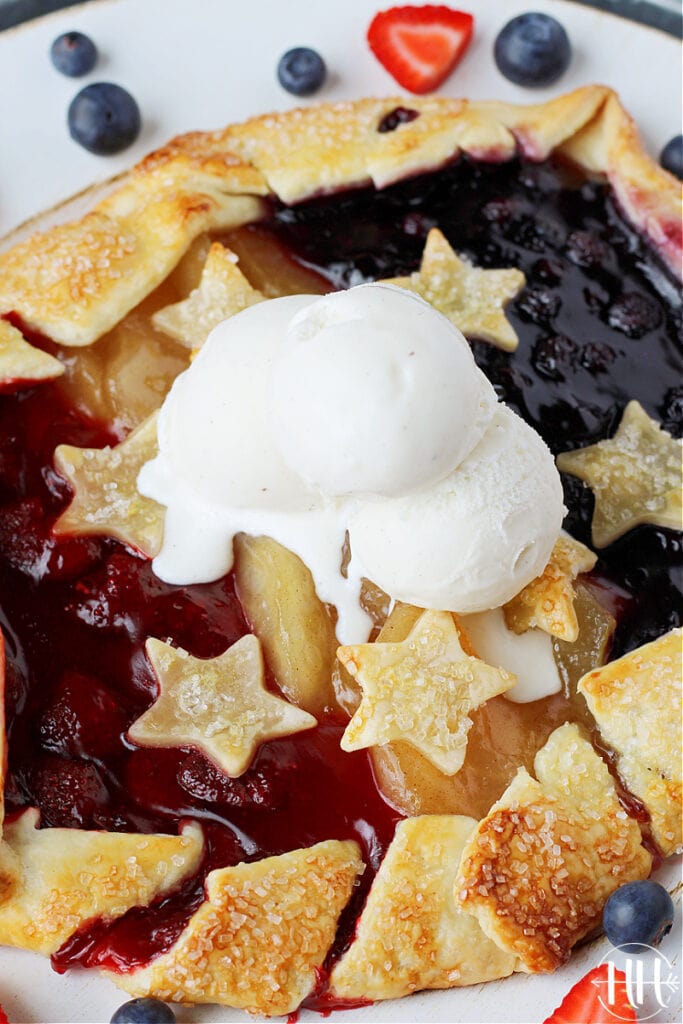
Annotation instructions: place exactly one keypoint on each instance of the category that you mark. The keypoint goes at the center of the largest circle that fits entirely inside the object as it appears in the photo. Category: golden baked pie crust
(74, 281)
(539, 867)
(260, 936)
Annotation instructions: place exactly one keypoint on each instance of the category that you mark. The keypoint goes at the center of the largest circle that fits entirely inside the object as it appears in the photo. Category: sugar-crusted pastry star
(548, 601)
(636, 701)
(473, 299)
(54, 880)
(106, 500)
(223, 290)
(635, 477)
(219, 705)
(420, 690)
(260, 937)
(21, 363)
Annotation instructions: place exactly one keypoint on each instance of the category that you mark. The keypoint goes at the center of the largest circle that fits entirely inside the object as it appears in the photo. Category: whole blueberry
(532, 49)
(74, 54)
(638, 914)
(144, 1011)
(634, 314)
(671, 157)
(104, 118)
(301, 71)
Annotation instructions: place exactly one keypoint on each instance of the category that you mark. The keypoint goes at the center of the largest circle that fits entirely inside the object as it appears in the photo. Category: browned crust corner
(75, 281)
(652, 199)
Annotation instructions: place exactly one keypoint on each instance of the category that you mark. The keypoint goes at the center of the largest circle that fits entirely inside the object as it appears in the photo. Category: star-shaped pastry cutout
(548, 601)
(218, 705)
(106, 500)
(420, 690)
(21, 363)
(223, 290)
(635, 477)
(473, 299)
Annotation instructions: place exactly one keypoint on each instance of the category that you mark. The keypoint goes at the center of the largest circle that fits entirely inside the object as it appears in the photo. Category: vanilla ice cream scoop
(214, 434)
(360, 413)
(371, 393)
(476, 538)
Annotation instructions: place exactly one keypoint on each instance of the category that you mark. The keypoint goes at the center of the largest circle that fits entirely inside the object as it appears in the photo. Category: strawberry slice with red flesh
(3, 1016)
(420, 46)
(596, 1000)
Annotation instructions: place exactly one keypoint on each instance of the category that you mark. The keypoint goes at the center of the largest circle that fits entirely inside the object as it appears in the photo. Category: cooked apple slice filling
(294, 626)
(21, 363)
(503, 735)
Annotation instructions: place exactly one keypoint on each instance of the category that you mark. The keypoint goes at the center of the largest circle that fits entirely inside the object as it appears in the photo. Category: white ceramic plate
(200, 64)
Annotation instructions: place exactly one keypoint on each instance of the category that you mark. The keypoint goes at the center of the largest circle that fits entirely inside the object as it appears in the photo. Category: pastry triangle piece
(635, 477)
(106, 500)
(75, 281)
(54, 880)
(219, 705)
(548, 601)
(473, 299)
(260, 938)
(420, 690)
(223, 290)
(539, 867)
(636, 701)
(20, 363)
(412, 934)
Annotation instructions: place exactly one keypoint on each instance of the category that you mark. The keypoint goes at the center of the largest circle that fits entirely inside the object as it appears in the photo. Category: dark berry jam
(76, 613)
(599, 323)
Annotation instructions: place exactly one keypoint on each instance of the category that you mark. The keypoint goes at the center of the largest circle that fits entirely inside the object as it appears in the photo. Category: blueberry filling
(395, 117)
(599, 322)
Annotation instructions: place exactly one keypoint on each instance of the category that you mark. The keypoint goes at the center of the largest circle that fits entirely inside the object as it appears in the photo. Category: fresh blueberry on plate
(301, 71)
(533, 49)
(144, 1011)
(671, 157)
(638, 914)
(104, 118)
(74, 54)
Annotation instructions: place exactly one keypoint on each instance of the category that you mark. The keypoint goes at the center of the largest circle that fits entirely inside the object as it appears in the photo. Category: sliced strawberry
(420, 46)
(3, 1016)
(599, 998)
